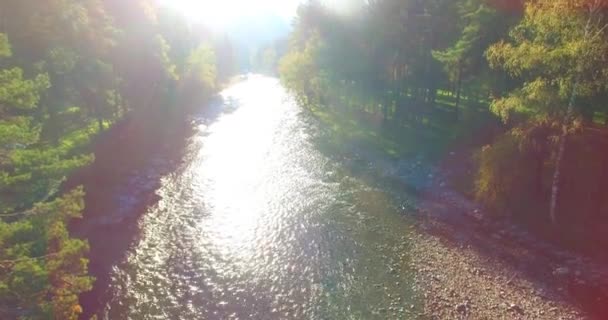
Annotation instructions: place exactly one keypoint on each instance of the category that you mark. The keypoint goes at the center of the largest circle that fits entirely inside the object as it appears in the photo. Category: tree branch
(4, 263)
(16, 214)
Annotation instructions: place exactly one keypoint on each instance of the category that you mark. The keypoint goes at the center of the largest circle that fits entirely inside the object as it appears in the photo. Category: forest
(517, 89)
(69, 71)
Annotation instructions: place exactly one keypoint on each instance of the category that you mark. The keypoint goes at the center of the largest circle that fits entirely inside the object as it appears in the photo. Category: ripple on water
(258, 224)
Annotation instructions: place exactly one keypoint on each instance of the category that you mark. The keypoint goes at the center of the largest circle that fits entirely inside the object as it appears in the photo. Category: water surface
(259, 224)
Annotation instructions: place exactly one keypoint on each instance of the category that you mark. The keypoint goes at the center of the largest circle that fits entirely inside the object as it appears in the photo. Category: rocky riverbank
(473, 266)
(458, 282)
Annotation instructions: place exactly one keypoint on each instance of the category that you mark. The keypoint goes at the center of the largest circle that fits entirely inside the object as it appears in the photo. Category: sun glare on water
(221, 13)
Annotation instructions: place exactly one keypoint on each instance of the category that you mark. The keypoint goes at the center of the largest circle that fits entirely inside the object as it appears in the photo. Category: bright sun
(219, 13)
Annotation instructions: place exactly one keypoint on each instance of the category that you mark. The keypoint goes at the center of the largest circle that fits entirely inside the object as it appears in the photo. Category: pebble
(462, 308)
(447, 303)
(516, 308)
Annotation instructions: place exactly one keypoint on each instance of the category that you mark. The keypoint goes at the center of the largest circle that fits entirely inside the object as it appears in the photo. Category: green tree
(201, 70)
(72, 69)
(482, 25)
(42, 270)
(559, 49)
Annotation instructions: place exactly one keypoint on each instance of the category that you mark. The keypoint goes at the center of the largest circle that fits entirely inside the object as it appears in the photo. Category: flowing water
(259, 224)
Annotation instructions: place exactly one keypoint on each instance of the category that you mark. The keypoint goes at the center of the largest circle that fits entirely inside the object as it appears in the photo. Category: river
(257, 223)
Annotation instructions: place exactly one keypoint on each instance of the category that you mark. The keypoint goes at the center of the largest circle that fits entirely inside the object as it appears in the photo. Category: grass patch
(431, 135)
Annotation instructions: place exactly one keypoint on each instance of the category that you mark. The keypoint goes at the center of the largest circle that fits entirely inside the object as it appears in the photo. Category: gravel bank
(470, 266)
(459, 283)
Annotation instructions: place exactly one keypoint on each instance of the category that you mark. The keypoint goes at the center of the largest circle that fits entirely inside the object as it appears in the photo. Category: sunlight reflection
(232, 184)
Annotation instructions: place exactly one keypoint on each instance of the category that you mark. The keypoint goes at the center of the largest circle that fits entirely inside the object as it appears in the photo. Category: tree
(201, 70)
(482, 26)
(559, 48)
(41, 268)
(18, 102)
(78, 67)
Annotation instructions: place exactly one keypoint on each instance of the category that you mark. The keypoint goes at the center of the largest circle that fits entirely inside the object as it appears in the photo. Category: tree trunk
(564, 135)
(557, 174)
(458, 89)
(539, 174)
(560, 154)
(100, 124)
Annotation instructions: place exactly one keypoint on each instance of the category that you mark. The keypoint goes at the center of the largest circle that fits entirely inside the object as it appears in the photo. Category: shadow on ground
(388, 153)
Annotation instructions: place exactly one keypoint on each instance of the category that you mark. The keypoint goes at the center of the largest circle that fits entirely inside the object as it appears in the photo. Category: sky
(221, 13)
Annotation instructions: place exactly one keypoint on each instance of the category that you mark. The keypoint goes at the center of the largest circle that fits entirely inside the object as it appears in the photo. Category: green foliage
(387, 57)
(17, 131)
(463, 62)
(163, 57)
(19, 94)
(445, 68)
(558, 55)
(5, 46)
(299, 70)
(512, 175)
(71, 69)
(41, 265)
(201, 67)
(558, 49)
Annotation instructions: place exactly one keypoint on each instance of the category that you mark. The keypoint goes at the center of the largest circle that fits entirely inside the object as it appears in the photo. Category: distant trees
(267, 58)
(464, 61)
(68, 70)
(201, 70)
(401, 53)
(300, 71)
(539, 66)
